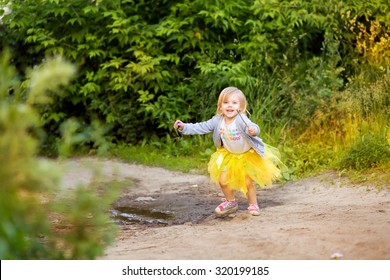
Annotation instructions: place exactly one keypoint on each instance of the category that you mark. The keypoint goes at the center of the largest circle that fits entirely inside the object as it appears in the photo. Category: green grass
(303, 159)
(153, 156)
(369, 151)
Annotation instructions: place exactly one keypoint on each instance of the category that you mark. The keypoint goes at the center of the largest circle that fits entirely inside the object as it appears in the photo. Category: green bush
(144, 63)
(38, 220)
(369, 151)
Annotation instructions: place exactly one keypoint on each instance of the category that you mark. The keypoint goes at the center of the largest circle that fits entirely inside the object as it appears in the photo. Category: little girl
(241, 156)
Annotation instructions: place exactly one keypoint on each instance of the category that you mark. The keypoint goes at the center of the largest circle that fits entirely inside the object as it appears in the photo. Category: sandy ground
(312, 219)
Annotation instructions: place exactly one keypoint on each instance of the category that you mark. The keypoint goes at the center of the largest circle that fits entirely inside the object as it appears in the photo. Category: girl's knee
(222, 180)
(249, 183)
(250, 187)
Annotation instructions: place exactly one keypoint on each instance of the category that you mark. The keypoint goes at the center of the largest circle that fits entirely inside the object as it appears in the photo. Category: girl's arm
(252, 129)
(196, 128)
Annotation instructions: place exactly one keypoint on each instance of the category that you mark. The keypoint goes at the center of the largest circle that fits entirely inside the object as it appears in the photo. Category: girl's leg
(251, 195)
(229, 205)
(252, 199)
(229, 194)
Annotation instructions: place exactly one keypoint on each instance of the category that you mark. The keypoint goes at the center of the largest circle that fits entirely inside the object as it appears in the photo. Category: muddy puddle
(163, 209)
(134, 215)
(188, 206)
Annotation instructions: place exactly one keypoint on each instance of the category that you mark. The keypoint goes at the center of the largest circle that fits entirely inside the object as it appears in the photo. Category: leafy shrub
(143, 63)
(37, 219)
(369, 151)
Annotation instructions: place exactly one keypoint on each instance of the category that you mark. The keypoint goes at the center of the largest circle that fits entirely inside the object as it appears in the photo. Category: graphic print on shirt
(230, 134)
(233, 138)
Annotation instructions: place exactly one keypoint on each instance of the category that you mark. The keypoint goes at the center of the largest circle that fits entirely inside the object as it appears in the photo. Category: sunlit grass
(153, 156)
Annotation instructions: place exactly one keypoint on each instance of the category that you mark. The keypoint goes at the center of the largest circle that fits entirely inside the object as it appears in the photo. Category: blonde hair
(227, 92)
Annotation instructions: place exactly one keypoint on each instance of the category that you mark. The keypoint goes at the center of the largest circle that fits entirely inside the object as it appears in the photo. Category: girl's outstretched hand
(252, 130)
(178, 125)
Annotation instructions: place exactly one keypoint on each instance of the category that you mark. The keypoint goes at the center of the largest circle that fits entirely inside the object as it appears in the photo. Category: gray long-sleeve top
(213, 125)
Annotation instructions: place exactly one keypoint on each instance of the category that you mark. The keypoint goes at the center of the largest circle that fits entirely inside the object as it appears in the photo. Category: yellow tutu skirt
(238, 167)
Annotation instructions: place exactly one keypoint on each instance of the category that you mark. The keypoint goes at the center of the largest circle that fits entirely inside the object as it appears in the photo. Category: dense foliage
(38, 219)
(143, 64)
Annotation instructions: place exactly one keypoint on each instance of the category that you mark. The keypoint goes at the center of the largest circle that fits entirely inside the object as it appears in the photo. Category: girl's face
(230, 106)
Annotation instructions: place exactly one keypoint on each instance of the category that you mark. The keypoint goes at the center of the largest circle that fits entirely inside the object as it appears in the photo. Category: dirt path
(169, 215)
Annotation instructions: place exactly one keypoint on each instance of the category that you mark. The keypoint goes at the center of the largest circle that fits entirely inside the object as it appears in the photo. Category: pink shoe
(226, 207)
(254, 210)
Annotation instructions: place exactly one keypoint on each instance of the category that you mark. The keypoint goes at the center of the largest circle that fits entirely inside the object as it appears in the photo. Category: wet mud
(189, 206)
